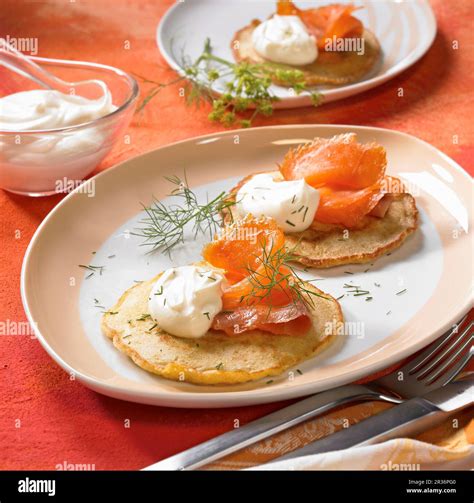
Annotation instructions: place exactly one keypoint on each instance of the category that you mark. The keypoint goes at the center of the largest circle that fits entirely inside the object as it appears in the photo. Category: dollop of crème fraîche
(292, 204)
(50, 109)
(184, 300)
(284, 39)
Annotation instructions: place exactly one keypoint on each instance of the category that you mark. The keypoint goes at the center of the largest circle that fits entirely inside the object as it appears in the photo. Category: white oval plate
(404, 28)
(432, 267)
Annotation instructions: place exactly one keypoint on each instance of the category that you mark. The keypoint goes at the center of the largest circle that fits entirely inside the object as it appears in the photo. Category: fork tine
(440, 356)
(434, 347)
(445, 365)
(458, 367)
(433, 364)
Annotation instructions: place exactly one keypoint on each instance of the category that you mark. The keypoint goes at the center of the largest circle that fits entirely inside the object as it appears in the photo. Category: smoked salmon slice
(340, 161)
(283, 320)
(259, 293)
(346, 207)
(241, 246)
(349, 175)
(335, 20)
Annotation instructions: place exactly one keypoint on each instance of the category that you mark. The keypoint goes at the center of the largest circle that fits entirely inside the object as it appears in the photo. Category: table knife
(268, 425)
(407, 419)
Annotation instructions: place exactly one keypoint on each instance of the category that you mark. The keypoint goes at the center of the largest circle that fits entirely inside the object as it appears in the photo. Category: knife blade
(266, 426)
(408, 418)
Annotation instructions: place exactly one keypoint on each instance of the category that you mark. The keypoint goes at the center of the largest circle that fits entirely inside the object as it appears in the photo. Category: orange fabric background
(46, 419)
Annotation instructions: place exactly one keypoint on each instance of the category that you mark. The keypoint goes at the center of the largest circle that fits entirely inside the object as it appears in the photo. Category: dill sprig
(267, 276)
(247, 86)
(357, 291)
(164, 225)
(93, 269)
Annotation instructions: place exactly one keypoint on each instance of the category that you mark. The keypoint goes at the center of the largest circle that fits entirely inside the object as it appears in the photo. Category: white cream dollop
(284, 39)
(184, 300)
(292, 204)
(48, 109)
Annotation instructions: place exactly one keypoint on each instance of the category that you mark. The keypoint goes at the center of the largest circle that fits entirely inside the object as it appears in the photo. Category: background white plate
(434, 266)
(404, 28)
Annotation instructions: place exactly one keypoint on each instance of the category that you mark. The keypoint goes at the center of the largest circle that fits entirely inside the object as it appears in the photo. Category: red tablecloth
(45, 418)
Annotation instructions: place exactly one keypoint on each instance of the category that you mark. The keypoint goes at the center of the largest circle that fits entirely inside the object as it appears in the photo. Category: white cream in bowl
(35, 160)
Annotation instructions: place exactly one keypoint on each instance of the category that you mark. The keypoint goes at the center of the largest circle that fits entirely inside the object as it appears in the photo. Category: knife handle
(264, 427)
(410, 417)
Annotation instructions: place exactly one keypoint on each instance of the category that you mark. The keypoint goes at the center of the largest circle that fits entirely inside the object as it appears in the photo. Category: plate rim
(328, 95)
(219, 399)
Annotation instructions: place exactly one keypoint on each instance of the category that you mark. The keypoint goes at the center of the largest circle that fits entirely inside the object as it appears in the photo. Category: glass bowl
(49, 161)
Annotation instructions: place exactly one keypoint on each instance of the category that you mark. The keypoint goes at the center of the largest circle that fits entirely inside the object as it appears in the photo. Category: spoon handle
(19, 63)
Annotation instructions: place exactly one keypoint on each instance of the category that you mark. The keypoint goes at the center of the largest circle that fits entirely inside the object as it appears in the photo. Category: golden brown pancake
(330, 68)
(327, 245)
(216, 358)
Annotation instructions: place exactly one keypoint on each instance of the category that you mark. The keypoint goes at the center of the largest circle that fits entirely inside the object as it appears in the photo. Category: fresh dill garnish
(206, 314)
(164, 225)
(270, 381)
(305, 212)
(357, 291)
(111, 256)
(93, 269)
(377, 285)
(274, 270)
(98, 304)
(368, 299)
(151, 328)
(143, 317)
(290, 223)
(111, 312)
(160, 292)
(348, 272)
(207, 276)
(219, 366)
(340, 297)
(299, 372)
(247, 87)
(401, 292)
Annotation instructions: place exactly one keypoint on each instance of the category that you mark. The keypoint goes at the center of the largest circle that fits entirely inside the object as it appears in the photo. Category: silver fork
(436, 366)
